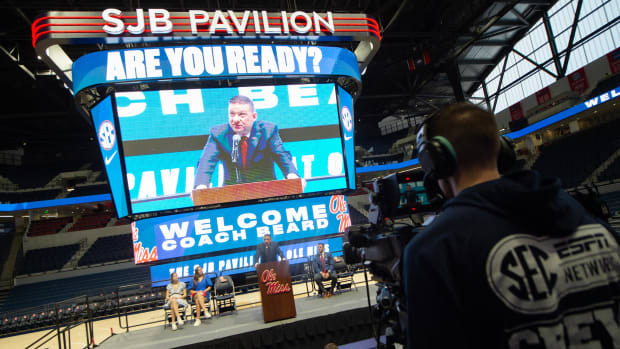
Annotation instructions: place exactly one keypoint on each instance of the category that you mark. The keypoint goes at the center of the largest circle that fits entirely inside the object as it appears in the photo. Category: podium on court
(276, 291)
(246, 191)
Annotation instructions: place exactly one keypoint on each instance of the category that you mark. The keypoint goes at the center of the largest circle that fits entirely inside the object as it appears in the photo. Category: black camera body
(378, 247)
(403, 194)
(397, 206)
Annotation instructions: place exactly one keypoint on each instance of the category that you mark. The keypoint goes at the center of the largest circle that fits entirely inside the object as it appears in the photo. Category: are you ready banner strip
(212, 61)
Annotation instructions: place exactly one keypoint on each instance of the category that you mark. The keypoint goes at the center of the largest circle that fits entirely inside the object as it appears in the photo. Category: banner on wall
(516, 111)
(543, 95)
(613, 58)
(241, 262)
(223, 229)
(578, 81)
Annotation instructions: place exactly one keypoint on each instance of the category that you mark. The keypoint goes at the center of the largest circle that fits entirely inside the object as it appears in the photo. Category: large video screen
(185, 148)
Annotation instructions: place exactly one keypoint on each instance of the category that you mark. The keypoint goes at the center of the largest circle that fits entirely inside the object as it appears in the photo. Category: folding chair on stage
(224, 295)
(345, 275)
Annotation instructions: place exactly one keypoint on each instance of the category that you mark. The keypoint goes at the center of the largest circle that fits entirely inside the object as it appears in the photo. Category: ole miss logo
(107, 135)
(274, 287)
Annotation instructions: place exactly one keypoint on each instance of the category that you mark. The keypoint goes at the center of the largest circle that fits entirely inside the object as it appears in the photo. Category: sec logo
(107, 135)
(347, 120)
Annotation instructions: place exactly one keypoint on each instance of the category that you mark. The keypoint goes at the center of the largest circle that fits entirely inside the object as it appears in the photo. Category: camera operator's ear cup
(507, 157)
(437, 156)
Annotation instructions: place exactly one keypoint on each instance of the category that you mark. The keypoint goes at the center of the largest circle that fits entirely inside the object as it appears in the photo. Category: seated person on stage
(268, 251)
(175, 296)
(199, 288)
(323, 266)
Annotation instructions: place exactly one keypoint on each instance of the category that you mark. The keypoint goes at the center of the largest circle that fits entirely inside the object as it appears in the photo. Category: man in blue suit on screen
(247, 148)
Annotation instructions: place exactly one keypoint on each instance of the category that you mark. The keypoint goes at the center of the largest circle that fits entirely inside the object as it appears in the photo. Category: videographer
(511, 261)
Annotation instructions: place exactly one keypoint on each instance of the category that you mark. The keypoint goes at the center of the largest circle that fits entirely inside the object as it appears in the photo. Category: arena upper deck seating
(108, 249)
(92, 221)
(28, 196)
(48, 226)
(605, 85)
(611, 172)
(122, 221)
(5, 245)
(613, 202)
(44, 259)
(85, 190)
(573, 158)
(381, 145)
(25, 296)
(27, 177)
(6, 240)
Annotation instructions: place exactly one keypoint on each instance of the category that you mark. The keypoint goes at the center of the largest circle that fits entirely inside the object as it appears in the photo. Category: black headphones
(438, 157)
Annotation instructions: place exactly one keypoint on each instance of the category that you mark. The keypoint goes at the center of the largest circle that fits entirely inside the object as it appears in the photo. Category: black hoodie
(513, 263)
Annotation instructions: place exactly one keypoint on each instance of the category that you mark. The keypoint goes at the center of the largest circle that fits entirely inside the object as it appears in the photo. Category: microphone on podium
(235, 149)
(235, 156)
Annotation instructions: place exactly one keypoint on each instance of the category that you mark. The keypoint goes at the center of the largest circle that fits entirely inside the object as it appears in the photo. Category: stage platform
(341, 319)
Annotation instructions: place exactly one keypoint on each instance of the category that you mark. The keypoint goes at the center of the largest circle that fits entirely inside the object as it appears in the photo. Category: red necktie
(244, 151)
(323, 262)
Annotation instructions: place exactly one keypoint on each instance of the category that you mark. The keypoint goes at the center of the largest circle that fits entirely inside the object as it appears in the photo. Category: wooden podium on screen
(276, 291)
(246, 191)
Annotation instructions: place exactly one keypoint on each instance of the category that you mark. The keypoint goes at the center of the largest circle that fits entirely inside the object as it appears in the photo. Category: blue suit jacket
(329, 262)
(270, 255)
(264, 148)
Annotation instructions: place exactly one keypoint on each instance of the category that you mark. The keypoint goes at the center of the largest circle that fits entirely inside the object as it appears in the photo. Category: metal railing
(62, 327)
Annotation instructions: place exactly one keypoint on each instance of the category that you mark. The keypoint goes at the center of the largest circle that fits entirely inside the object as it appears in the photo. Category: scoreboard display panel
(176, 140)
(168, 143)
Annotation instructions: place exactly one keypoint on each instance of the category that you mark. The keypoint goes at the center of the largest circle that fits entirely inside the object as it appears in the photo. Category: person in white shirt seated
(176, 292)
